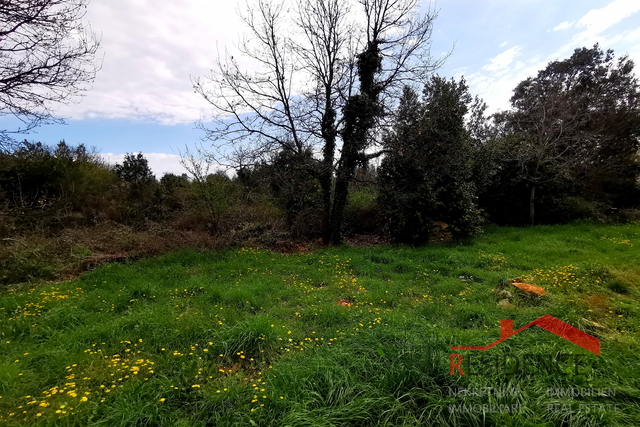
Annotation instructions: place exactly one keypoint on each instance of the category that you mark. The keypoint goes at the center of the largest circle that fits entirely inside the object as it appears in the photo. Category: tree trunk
(359, 115)
(532, 188)
(337, 213)
(325, 185)
(329, 134)
(532, 196)
(345, 172)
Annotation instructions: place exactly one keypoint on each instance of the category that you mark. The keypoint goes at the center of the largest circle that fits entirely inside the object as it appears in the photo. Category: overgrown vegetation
(569, 148)
(239, 322)
(62, 211)
(302, 148)
(341, 336)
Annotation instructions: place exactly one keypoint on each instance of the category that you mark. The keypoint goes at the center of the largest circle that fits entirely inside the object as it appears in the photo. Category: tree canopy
(580, 117)
(134, 169)
(426, 174)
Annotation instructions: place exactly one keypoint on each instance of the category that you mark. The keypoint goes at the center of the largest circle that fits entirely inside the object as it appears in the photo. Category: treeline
(49, 189)
(52, 188)
(567, 150)
(63, 210)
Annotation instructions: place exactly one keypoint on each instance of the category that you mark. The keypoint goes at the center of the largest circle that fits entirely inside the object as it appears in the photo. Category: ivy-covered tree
(327, 81)
(426, 175)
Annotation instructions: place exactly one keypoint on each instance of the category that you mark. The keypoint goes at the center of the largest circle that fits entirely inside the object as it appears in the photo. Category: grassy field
(338, 337)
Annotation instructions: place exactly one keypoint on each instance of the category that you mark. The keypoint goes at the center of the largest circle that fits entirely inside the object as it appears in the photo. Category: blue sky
(142, 99)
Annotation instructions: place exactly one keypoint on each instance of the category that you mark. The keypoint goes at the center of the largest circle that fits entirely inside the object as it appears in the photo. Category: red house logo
(551, 324)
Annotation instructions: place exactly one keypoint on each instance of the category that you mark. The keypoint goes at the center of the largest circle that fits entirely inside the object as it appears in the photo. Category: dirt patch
(368, 240)
(599, 302)
(292, 247)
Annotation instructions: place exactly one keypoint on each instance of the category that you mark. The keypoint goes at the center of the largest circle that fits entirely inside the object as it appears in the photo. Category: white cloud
(495, 81)
(502, 61)
(495, 84)
(160, 163)
(564, 26)
(634, 36)
(152, 49)
(597, 26)
(597, 21)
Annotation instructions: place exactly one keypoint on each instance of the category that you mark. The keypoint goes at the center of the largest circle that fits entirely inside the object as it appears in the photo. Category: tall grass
(341, 336)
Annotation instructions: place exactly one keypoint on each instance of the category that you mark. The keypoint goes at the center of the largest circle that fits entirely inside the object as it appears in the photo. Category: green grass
(339, 337)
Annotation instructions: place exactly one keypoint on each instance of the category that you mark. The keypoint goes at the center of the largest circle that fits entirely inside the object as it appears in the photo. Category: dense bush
(53, 188)
(568, 150)
(294, 184)
(363, 214)
(426, 175)
(175, 191)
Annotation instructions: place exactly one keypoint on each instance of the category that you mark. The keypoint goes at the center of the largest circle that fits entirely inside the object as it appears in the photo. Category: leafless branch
(46, 58)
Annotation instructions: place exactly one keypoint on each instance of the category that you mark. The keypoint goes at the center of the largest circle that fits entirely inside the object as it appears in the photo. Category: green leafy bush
(426, 175)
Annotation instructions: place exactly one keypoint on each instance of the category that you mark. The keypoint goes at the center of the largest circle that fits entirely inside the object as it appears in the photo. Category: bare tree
(255, 111)
(328, 54)
(46, 57)
(329, 71)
